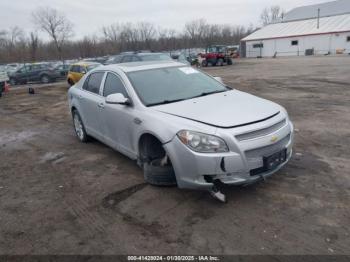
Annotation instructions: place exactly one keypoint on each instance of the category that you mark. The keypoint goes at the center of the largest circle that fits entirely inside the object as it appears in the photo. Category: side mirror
(118, 99)
(219, 79)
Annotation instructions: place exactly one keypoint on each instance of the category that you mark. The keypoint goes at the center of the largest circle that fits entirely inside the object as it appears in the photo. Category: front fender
(165, 126)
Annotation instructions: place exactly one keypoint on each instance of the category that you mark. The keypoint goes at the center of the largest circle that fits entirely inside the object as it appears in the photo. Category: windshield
(216, 49)
(155, 57)
(166, 85)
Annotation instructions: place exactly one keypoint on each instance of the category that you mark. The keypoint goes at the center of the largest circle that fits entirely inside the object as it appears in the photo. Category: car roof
(139, 66)
(85, 63)
(146, 54)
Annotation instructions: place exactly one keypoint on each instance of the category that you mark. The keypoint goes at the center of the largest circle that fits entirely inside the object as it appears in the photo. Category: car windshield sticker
(188, 70)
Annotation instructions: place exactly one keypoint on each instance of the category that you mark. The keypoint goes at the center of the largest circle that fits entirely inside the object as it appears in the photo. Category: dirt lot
(58, 196)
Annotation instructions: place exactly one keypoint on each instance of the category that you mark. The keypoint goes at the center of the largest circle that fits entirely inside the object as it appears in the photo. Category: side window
(93, 83)
(127, 59)
(135, 59)
(117, 59)
(36, 67)
(113, 85)
(73, 68)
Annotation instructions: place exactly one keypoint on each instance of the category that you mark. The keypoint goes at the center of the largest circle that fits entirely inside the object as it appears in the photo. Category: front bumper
(193, 169)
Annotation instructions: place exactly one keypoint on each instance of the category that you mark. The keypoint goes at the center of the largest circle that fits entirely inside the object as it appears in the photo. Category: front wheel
(79, 127)
(158, 175)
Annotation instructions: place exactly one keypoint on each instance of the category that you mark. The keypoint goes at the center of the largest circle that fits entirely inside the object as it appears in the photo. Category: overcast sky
(88, 16)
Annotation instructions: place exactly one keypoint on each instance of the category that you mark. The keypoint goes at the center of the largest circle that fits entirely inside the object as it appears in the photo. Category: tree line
(19, 46)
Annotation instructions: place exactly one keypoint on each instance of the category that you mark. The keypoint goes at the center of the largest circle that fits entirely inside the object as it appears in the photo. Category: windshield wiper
(164, 102)
(209, 93)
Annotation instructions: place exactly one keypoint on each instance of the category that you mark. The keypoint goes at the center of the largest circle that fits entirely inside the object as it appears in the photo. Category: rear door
(35, 72)
(92, 105)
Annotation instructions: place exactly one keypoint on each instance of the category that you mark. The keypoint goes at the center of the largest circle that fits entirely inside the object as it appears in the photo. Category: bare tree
(55, 24)
(146, 32)
(112, 36)
(33, 45)
(16, 34)
(196, 30)
(271, 14)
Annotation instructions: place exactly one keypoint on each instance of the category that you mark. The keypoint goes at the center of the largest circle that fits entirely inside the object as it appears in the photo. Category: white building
(317, 29)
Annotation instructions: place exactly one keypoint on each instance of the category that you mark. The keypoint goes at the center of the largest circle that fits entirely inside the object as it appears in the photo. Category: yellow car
(78, 70)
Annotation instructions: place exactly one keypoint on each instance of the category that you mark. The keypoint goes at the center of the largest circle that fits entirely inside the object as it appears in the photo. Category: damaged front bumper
(243, 165)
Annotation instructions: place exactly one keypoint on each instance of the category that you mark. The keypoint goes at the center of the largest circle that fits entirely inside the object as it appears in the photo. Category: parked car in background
(39, 72)
(10, 68)
(62, 69)
(216, 55)
(101, 60)
(165, 115)
(192, 58)
(137, 57)
(78, 70)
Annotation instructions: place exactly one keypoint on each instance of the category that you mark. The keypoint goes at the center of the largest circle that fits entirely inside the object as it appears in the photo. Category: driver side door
(118, 119)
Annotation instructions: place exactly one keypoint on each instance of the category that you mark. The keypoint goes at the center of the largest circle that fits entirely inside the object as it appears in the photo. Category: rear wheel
(204, 63)
(79, 127)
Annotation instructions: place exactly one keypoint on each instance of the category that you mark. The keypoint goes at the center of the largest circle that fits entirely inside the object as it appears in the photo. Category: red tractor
(216, 55)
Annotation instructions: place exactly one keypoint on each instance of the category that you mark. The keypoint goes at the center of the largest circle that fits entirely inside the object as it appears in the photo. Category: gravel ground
(58, 196)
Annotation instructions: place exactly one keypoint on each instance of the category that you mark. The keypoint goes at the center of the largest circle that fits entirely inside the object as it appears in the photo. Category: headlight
(202, 143)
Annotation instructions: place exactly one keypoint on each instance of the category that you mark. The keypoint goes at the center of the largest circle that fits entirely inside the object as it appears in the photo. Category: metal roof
(326, 9)
(332, 24)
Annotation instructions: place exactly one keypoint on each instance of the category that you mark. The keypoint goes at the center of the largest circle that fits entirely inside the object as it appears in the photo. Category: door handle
(101, 105)
(80, 97)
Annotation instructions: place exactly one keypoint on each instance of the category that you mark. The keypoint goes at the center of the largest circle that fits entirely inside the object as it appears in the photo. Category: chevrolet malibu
(182, 126)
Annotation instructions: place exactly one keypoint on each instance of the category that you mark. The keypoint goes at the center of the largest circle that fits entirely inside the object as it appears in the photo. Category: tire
(157, 175)
(220, 62)
(229, 61)
(204, 63)
(45, 79)
(79, 127)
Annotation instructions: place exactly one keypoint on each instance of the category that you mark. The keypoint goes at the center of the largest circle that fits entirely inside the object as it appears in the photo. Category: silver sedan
(182, 126)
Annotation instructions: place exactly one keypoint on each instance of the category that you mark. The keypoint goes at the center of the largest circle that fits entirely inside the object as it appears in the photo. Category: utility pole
(318, 18)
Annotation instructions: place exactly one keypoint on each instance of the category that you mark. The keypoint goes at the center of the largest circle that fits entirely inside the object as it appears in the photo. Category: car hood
(226, 110)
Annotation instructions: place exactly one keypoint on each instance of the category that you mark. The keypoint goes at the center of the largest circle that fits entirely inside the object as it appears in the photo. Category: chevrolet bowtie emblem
(274, 139)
